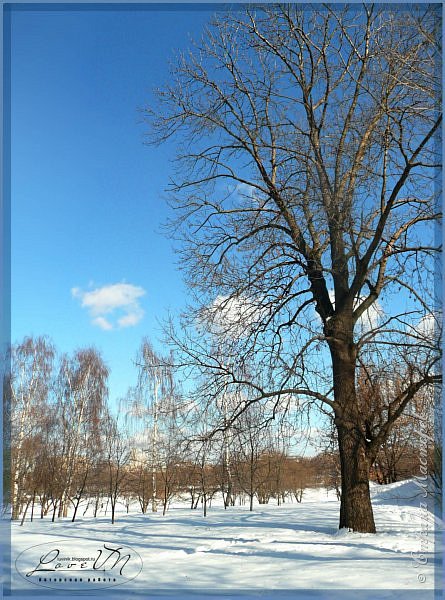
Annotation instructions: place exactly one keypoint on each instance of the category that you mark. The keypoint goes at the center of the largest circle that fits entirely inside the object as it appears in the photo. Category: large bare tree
(306, 195)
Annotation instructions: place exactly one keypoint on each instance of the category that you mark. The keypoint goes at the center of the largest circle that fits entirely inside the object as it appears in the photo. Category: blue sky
(87, 195)
(89, 264)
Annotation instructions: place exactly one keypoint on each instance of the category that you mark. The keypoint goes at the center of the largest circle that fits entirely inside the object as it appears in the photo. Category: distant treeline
(65, 447)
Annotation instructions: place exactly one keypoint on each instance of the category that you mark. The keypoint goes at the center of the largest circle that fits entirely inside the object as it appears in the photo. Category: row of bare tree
(66, 447)
(58, 414)
(68, 450)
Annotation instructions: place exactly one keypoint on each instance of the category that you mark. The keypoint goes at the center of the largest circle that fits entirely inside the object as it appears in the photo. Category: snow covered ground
(288, 551)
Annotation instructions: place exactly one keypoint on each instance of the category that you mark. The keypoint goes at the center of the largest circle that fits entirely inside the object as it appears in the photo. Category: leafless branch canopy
(306, 195)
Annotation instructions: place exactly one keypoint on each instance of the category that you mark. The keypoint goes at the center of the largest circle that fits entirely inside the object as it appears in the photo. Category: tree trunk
(32, 505)
(15, 501)
(61, 504)
(355, 506)
(154, 449)
(80, 494)
(165, 499)
(25, 511)
(56, 504)
(76, 506)
(228, 501)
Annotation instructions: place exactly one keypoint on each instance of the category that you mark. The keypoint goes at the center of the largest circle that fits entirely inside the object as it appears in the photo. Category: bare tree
(299, 474)
(277, 458)
(202, 454)
(171, 446)
(81, 397)
(208, 484)
(152, 415)
(151, 384)
(306, 195)
(116, 457)
(251, 443)
(328, 460)
(376, 389)
(140, 481)
(30, 380)
(226, 455)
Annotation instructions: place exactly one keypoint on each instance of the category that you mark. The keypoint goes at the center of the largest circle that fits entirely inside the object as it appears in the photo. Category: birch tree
(82, 394)
(305, 197)
(30, 381)
(152, 405)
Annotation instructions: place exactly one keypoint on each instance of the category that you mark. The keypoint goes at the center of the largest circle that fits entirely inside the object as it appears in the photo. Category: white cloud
(244, 189)
(102, 323)
(370, 318)
(108, 300)
(231, 315)
(250, 195)
(131, 318)
(429, 326)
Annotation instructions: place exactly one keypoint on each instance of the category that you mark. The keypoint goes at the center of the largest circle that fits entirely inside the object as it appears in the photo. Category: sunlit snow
(272, 550)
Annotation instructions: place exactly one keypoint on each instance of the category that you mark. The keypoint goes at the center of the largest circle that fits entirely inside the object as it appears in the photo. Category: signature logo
(68, 566)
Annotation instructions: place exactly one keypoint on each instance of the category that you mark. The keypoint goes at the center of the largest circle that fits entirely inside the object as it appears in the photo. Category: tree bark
(356, 511)
(25, 511)
(76, 506)
(54, 511)
(355, 504)
(15, 501)
(33, 504)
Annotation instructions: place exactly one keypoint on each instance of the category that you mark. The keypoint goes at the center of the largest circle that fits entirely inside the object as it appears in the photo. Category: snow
(273, 552)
